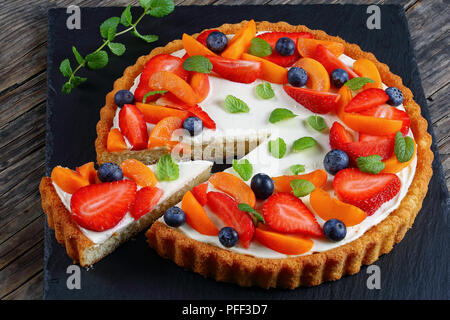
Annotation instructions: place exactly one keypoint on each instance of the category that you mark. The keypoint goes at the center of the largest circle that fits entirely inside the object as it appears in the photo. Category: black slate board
(415, 269)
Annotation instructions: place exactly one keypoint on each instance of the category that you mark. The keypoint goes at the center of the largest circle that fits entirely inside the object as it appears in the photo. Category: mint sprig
(255, 215)
(357, 83)
(301, 187)
(235, 105)
(303, 143)
(317, 122)
(297, 168)
(167, 169)
(404, 147)
(244, 168)
(277, 148)
(264, 90)
(371, 164)
(279, 114)
(198, 64)
(109, 31)
(260, 48)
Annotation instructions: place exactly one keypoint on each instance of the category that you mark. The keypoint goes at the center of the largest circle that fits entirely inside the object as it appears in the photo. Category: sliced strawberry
(331, 62)
(164, 62)
(199, 193)
(368, 137)
(339, 136)
(236, 70)
(389, 112)
(367, 99)
(146, 200)
(226, 208)
(286, 213)
(198, 112)
(133, 127)
(316, 101)
(141, 90)
(366, 191)
(204, 35)
(275, 57)
(383, 146)
(100, 207)
(170, 100)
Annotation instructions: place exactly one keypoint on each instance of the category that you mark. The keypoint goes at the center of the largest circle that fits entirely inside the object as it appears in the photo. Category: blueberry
(216, 41)
(297, 76)
(335, 160)
(285, 46)
(194, 125)
(262, 185)
(339, 77)
(228, 237)
(334, 230)
(123, 97)
(395, 96)
(109, 172)
(174, 217)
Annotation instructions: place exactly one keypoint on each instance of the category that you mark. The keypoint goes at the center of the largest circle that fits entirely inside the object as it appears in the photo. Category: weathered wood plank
(30, 290)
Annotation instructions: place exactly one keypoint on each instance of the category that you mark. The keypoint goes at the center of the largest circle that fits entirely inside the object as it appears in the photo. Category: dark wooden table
(22, 117)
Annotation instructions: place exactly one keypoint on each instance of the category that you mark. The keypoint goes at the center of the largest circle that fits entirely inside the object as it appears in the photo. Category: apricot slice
(371, 125)
(290, 244)
(165, 80)
(240, 42)
(195, 48)
(368, 69)
(115, 141)
(200, 83)
(87, 171)
(68, 180)
(154, 113)
(392, 165)
(318, 78)
(346, 96)
(283, 183)
(328, 208)
(196, 216)
(138, 172)
(271, 72)
(233, 186)
(162, 132)
(307, 47)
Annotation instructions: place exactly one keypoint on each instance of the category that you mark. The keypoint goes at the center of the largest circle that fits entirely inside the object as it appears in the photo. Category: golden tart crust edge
(309, 270)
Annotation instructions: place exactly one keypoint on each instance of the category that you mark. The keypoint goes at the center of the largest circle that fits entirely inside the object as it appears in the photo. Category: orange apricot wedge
(87, 171)
(139, 172)
(162, 132)
(307, 47)
(234, 187)
(166, 80)
(200, 83)
(240, 42)
(196, 215)
(68, 180)
(392, 165)
(318, 78)
(283, 183)
(154, 113)
(290, 244)
(195, 48)
(371, 125)
(366, 68)
(346, 96)
(270, 72)
(327, 207)
(115, 141)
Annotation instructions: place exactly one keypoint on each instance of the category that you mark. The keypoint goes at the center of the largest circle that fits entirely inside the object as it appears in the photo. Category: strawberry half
(145, 201)
(100, 207)
(367, 99)
(339, 136)
(204, 35)
(199, 193)
(331, 62)
(236, 70)
(202, 115)
(388, 112)
(366, 191)
(316, 101)
(275, 57)
(226, 208)
(133, 127)
(286, 213)
(382, 146)
(141, 90)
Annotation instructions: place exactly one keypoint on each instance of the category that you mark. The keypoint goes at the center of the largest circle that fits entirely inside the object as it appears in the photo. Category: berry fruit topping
(228, 237)
(174, 217)
(335, 161)
(236, 70)
(109, 172)
(233, 186)
(339, 136)
(331, 62)
(297, 76)
(202, 115)
(395, 96)
(204, 35)
(146, 200)
(334, 230)
(216, 41)
(367, 99)
(262, 185)
(133, 127)
(123, 97)
(339, 77)
(285, 46)
(316, 101)
(194, 125)
(199, 193)
(385, 111)
(318, 78)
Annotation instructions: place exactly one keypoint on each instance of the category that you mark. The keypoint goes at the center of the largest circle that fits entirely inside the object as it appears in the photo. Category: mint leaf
(303, 143)
(198, 64)
(108, 27)
(235, 105)
(277, 148)
(260, 48)
(317, 122)
(117, 48)
(255, 215)
(78, 56)
(151, 93)
(67, 87)
(357, 83)
(148, 38)
(145, 4)
(297, 168)
(65, 68)
(126, 18)
(167, 169)
(97, 60)
(244, 168)
(301, 187)
(404, 147)
(161, 8)
(264, 90)
(279, 114)
(370, 164)
(76, 81)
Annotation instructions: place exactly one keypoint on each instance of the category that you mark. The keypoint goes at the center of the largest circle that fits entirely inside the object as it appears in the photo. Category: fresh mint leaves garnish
(255, 215)
(357, 83)
(235, 105)
(109, 31)
(404, 147)
(167, 169)
(301, 187)
(277, 148)
(198, 64)
(279, 114)
(297, 168)
(260, 48)
(303, 143)
(264, 90)
(370, 164)
(244, 168)
(152, 93)
(317, 122)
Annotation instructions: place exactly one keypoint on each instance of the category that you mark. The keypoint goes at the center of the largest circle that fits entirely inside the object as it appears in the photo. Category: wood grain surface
(22, 117)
